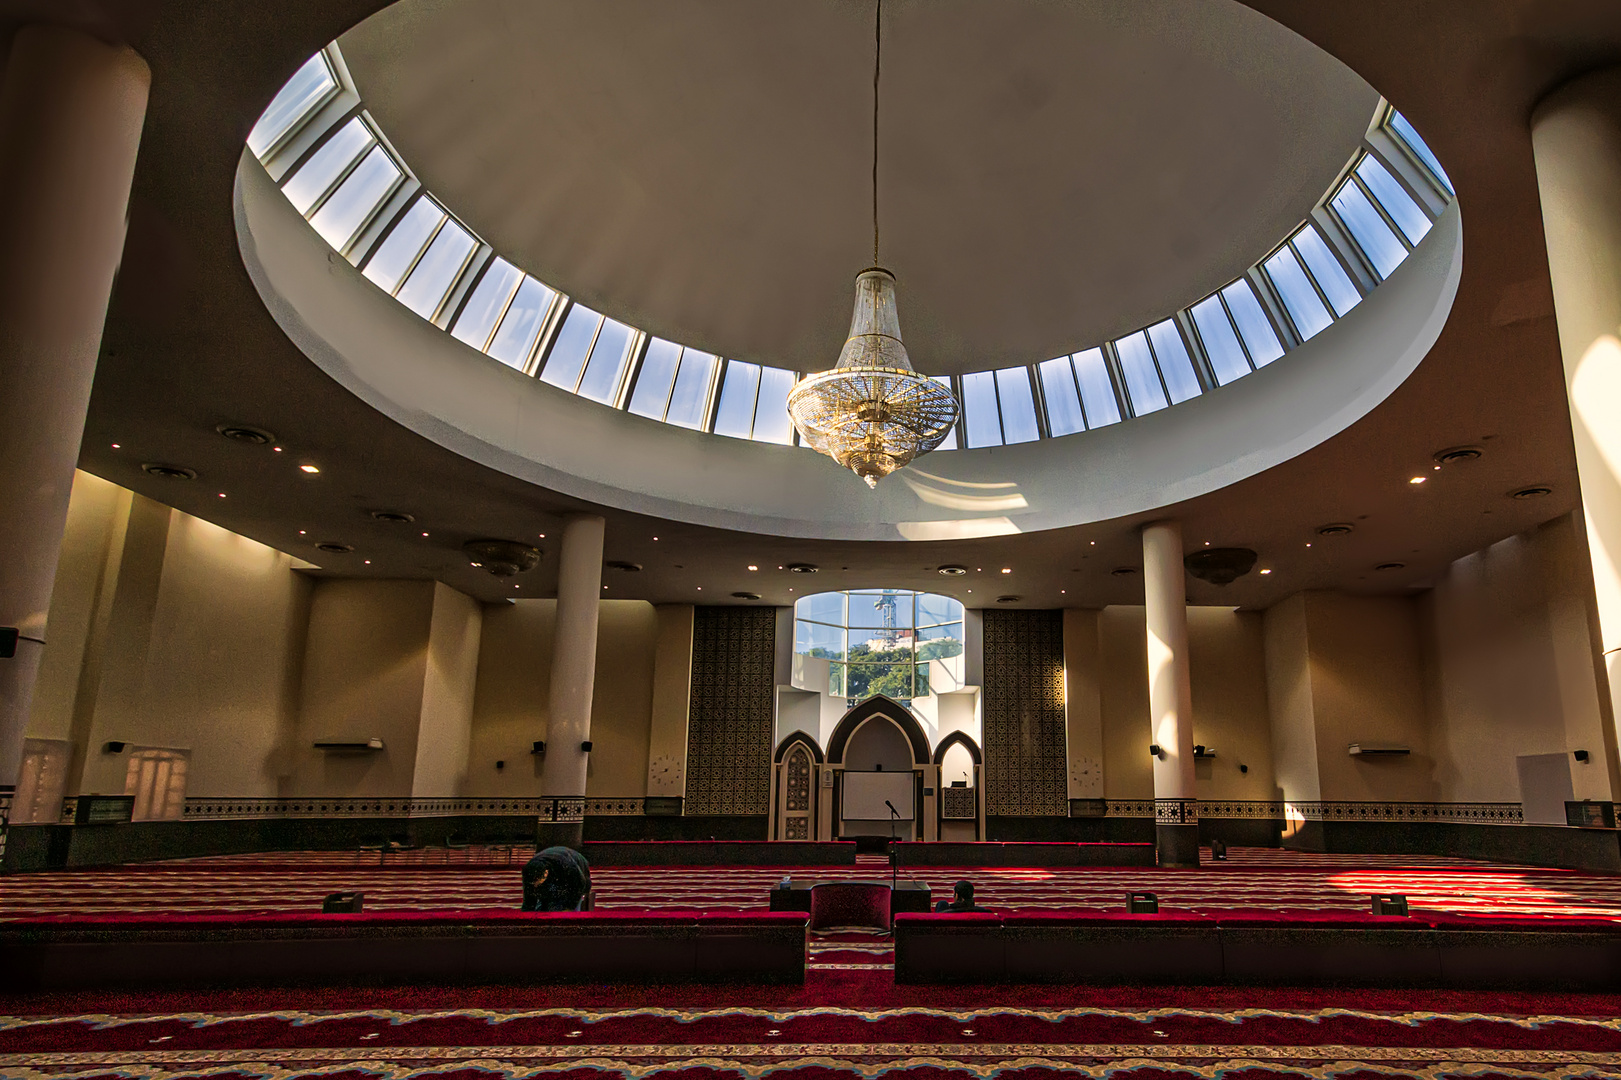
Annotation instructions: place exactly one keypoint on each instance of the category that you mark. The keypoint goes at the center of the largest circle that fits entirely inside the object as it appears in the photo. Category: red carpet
(411, 881)
(505, 1033)
(849, 1019)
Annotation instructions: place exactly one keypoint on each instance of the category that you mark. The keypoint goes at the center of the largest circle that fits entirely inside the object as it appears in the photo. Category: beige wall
(1083, 703)
(1513, 666)
(1228, 669)
(364, 668)
(445, 730)
(167, 631)
(672, 700)
(510, 711)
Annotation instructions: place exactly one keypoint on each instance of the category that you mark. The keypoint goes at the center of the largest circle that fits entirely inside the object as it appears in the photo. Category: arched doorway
(962, 788)
(796, 788)
(883, 776)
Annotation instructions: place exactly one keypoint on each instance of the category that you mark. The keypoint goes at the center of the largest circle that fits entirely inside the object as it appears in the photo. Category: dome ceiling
(1054, 174)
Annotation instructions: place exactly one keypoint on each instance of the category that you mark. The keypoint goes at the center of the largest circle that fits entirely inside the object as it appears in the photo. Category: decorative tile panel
(957, 804)
(1176, 811)
(1026, 766)
(798, 782)
(734, 653)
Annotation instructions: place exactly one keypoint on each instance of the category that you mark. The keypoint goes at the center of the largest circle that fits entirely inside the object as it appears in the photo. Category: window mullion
(1111, 361)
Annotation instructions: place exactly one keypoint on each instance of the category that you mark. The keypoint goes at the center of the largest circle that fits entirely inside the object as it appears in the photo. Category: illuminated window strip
(1324, 254)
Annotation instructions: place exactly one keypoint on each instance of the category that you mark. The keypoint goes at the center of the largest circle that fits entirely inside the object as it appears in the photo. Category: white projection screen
(865, 792)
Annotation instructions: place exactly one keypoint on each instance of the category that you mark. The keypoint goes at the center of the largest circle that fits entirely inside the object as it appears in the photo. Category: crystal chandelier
(873, 413)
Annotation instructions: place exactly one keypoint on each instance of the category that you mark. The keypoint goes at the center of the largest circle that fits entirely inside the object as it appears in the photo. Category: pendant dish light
(873, 413)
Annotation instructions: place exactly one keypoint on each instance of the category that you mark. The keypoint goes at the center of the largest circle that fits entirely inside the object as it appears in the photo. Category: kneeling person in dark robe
(556, 879)
(962, 899)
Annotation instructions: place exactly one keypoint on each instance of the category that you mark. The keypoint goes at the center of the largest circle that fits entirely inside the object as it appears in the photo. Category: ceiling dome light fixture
(503, 558)
(873, 413)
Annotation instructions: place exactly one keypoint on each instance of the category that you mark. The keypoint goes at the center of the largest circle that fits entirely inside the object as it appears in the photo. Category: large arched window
(894, 642)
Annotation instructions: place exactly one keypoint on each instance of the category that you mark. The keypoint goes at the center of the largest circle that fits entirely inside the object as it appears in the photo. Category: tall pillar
(71, 109)
(1576, 138)
(1170, 695)
(574, 670)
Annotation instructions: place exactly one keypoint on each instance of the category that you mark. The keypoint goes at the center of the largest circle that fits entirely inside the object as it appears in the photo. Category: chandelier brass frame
(872, 413)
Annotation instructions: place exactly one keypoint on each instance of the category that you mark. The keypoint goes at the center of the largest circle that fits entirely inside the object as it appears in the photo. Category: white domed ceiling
(1054, 173)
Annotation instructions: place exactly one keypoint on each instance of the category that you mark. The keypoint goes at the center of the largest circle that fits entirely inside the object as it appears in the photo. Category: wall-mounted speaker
(540, 747)
(113, 746)
(585, 747)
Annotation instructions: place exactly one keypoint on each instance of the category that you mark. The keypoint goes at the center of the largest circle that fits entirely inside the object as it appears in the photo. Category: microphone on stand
(894, 856)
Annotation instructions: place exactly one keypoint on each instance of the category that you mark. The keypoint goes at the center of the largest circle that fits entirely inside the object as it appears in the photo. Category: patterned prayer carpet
(1251, 878)
(850, 1019)
(969, 1032)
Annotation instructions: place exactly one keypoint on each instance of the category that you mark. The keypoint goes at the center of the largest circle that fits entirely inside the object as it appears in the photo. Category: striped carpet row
(213, 885)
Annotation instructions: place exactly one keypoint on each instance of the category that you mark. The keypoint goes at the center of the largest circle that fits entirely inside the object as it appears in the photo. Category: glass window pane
(771, 420)
(567, 358)
(356, 199)
(827, 607)
(814, 639)
(1376, 239)
(1018, 405)
(486, 304)
(691, 394)
(657, 375)
(606, 369)
(307, 89)
(1097, 389)
(1253, 325)
(1221, 345)
(326, 164)
(1305, 307)
(1137, 366)
(1174, 362)
(979, 409)
(1410, 136)
(390, 262)
(437, 270)
(1336, 283)
(890, 608)
(939, 642)
(835, 680)
(735, 417)
(516, 339)
(950, 441)
(1058, 390)
(872, 678)
(1406, 213)
(933, 608)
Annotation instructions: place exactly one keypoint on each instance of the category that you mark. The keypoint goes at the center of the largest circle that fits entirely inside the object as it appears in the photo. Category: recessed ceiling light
(1123, 571)
(1062, 591)
(301, 532)
(393, 517)
(1391, 566)
(1092, 543)
(953, 570)
(700, 588)
(1338, 528)
(1007, 569)
(244, 433)
(222, 494)
(803, 568)
(655, 538)
(745, 596)
(1008, 599)
(168, 472)
(1535, 491)
(368, 562)
(117, 447)
(1458, 453)
(311, 469)
(424, 534)
(621, 564)
(753, 567)
(543, 536)
(1418, 480)
(277, 449)
(1266, 571)
(334, 547)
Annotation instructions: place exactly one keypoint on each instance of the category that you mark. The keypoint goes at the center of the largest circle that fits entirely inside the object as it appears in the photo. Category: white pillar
(574, 670)
(1170, 695)
(1576, 138)
(71, 109)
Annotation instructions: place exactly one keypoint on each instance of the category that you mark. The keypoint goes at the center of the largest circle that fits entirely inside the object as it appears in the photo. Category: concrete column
(574, 669)
(1170, 695)
(71, 110)
(1576, 137)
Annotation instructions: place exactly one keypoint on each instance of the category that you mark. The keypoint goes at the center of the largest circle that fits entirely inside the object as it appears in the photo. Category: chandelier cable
(877, 68)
